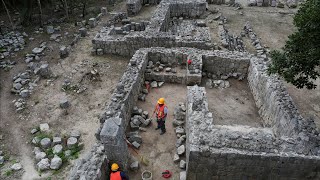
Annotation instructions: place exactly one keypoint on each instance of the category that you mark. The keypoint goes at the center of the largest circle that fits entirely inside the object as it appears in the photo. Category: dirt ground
(160, 149)
(307, 101)
(272, 25)
(234, 105)
(43, 105)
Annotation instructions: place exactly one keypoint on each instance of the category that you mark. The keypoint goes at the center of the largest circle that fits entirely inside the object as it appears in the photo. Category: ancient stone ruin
(286, 146)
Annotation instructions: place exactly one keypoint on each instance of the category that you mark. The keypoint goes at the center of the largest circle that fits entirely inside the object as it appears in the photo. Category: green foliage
(49, 153)
(299, 62)
(8, 172)
(42, 135)
(75, 151)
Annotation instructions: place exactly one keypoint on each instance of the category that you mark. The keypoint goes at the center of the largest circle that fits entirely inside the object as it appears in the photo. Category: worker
(116, 174)
(161, 111)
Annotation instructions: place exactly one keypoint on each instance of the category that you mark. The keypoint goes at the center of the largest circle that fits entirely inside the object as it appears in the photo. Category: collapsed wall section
(93, 166)
(278, 110)
(238, 152)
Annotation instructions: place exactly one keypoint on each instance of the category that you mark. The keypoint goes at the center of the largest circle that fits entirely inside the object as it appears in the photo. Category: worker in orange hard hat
(161, 111)
(116, 174)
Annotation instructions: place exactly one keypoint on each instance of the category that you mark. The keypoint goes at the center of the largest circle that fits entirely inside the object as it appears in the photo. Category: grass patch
(49, 153)
(75, 151)
(70, 88)
(42, 135)
(8, 172)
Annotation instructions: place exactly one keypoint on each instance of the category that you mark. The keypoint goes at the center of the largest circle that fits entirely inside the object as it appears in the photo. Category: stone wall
(278, 110)
(117, 114)
(155, 34)
(225, 65)
(93, 166)
(215, 62)
(239, 152)
(133, 7)
(220, 164)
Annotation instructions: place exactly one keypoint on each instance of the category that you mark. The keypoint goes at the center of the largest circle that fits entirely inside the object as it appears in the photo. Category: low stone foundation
(156, 33)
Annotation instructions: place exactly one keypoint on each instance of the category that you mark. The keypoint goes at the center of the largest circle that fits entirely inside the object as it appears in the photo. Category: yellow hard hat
(114, 167)
(161, 101)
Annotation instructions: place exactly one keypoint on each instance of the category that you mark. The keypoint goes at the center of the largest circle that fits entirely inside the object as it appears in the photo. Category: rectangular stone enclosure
(220, 151)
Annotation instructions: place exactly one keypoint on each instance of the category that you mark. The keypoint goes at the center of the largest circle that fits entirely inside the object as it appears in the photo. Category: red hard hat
(189, 61)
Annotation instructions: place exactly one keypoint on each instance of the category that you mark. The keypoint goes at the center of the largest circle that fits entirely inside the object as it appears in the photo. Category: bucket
(146, 175)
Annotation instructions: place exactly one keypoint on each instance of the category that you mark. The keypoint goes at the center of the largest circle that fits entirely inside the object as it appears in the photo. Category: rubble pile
(262, 51)
(179, 124)
(139, 121)
(51, 151)
(11, 43)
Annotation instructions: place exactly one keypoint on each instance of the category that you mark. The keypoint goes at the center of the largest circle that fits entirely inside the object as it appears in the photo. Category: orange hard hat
(161, 101)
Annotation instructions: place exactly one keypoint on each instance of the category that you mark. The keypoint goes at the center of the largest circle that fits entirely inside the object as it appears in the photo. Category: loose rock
(40, 155)
(16, 167)
(181, 149)
(134, 166)
(57, 149)
(72, 142)
(56, 163)
(43, 164)
(182, 164)
(45, 143)
(44, 127)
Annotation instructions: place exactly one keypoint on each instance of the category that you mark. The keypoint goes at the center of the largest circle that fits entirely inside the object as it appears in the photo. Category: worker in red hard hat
(116, 174)
(161, 111)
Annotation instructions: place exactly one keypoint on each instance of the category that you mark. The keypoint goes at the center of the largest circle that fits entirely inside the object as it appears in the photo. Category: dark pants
(161, 124)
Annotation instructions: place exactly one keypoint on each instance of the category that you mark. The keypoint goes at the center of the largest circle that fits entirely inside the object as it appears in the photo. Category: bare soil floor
(234, 105)
(160, 149)
(43, 105)
(307, 101)
(272, 25)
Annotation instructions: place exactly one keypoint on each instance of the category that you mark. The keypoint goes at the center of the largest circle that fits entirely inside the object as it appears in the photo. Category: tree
(4, 4)
(39, 4)
(299, 61)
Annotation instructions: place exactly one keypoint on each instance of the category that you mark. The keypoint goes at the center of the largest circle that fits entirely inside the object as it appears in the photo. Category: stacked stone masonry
(156, 32)
(287, 147)
(241, 152)
(278, 110)
(117, 114)
(134, 6)
(93, 166)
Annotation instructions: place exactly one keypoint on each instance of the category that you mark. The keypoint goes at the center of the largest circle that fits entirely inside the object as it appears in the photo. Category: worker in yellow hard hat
(161, 111)
(116, 174)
